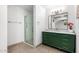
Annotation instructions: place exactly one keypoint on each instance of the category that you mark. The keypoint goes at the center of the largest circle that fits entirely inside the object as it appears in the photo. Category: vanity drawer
(69, 36)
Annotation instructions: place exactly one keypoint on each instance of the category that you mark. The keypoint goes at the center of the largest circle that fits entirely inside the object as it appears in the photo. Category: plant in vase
(70, 26)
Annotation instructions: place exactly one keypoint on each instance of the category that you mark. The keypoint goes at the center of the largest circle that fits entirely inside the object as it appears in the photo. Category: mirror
(58, 21)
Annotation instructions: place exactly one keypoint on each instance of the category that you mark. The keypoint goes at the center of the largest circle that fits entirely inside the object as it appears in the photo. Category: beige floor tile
(23, 48)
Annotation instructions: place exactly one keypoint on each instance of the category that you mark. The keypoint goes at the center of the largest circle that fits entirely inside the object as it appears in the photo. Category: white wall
(39, 24)
(77, 30)
(3, 28)
(15, 29)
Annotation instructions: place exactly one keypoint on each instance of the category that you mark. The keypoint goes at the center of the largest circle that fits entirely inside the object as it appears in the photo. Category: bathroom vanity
(59, 35)
(61, 40)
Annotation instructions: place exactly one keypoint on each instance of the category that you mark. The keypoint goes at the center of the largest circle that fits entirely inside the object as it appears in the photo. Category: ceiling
(53, 6)
(27, 7)
(30, 7)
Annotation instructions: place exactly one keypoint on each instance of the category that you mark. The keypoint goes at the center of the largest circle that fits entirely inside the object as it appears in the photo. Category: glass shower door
(28, 29)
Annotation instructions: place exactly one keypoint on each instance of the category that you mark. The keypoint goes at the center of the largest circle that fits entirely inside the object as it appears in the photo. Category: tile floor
(23, 48)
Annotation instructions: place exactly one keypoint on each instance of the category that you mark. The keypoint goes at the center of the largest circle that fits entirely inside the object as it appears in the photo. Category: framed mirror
(58, 21)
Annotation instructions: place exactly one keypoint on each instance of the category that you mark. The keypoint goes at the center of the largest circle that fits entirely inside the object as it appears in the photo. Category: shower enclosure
(28, 29)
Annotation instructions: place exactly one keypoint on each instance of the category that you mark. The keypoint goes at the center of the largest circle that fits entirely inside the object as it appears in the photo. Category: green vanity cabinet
(65, 42)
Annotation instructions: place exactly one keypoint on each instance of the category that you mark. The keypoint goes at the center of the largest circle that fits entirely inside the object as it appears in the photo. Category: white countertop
(60, 31)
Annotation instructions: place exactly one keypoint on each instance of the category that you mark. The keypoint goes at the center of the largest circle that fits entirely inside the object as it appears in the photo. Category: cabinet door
(56, 38)
(51, 39)
(68, 43)
(46, 38)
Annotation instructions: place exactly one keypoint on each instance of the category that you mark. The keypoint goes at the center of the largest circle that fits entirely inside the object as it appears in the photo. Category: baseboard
(25, 43)
(3, 50)
(14, 44)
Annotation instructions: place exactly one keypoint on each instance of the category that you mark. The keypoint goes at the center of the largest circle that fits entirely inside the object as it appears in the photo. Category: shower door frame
(32, 45)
